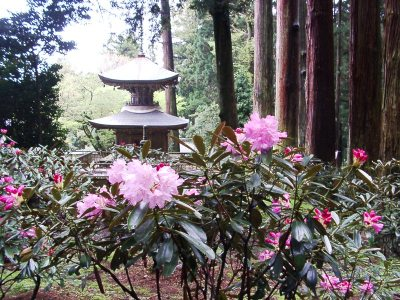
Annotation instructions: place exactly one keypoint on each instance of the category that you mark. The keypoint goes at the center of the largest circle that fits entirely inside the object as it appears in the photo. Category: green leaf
(165, 252)
(274, 189)
(199, 143)
(68, 178)
(335, 217)
(137, 215)
(366, 178)
(357, 239)
(198, 244)
(300, 231)
(312, 278)
(194, 230)
(146, 148)
(236, 226)
(230, 134)
(216, 134)
(299, 261)
(328, 245)
(277, 266)
(187, 207)
(198, 160)
(84, 261)
(254, 181)
(170, 267)
(56, 194)
(125, 153)
(118, 218)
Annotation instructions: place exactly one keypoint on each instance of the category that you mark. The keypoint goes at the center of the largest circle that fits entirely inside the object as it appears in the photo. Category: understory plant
(242, 218)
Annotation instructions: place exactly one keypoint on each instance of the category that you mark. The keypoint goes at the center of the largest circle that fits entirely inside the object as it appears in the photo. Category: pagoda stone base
(158, 137)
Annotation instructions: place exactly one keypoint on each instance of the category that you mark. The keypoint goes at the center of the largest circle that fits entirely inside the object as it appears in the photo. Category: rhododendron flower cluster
(6, 179)
(371, 219)
(324, 217)
(3, 131)
(263, 133)
(13, 197)
(58, 180)
(142, 182)
(367, 287)
(273, 238)
(359, 157)
(266, 254)
(330, 283)
(277, 204)
(98, 203)
(30, 233)
(297, 157)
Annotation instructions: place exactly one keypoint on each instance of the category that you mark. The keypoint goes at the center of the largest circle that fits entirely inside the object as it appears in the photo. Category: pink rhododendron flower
(230, 147)
(93, 201)
(273, 238)
(116, 171)
(359, 157)
(276, 206)
(11, 144)
(3, 131)
(263, 133)
(18, 152)
(192, 192)
(266, 254)
(328, 282)
(198, 202)
(6, 179)
(30, 233)
(297, 158)
(371, 219)
(287, 151)
(324, 217)
(344, 286)
(142, 182)
(367, 287)
(58, 180)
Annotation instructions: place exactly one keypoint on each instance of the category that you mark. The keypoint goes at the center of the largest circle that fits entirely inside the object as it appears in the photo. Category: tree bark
(320, 134)
(365, 79)
(168, 55)
(263, 89)
(390, 144)
(302, 112)
(223, 55)
(287, 67)
(338, 124)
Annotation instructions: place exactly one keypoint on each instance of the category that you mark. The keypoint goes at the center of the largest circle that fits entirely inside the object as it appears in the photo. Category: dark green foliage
(28, 85)
(30, 105)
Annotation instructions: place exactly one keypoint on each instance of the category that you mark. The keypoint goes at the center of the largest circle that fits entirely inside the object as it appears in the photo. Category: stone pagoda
(140, 118)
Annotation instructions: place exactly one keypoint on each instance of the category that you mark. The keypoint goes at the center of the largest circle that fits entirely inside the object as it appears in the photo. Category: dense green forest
(232, 59)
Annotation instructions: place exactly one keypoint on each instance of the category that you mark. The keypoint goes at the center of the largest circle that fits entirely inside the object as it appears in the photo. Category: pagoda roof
(131, 117)
(139, 71)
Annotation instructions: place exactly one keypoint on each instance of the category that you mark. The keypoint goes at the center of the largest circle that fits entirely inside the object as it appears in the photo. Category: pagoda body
(140, 116)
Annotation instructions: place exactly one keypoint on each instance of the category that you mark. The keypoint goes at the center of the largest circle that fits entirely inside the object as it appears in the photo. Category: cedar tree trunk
(338, 141)
(223, 55)
(320, 134)
(365, 79)
(390, 144)
(287, 67)
(302, 112)
(170, 91)
(263, 89)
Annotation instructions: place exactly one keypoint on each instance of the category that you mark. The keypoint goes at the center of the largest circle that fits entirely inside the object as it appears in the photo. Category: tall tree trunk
(287, 66)
(320, 134)
(302, 112)
(263, 90)
(390, 144)
(168, 53)
(223, 53)
(338, 141)
(365, 79)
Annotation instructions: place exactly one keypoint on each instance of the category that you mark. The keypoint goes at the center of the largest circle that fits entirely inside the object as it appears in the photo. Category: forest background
(353, 62)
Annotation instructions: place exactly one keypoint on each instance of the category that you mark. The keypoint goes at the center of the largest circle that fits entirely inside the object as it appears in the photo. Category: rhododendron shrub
(242, 218)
